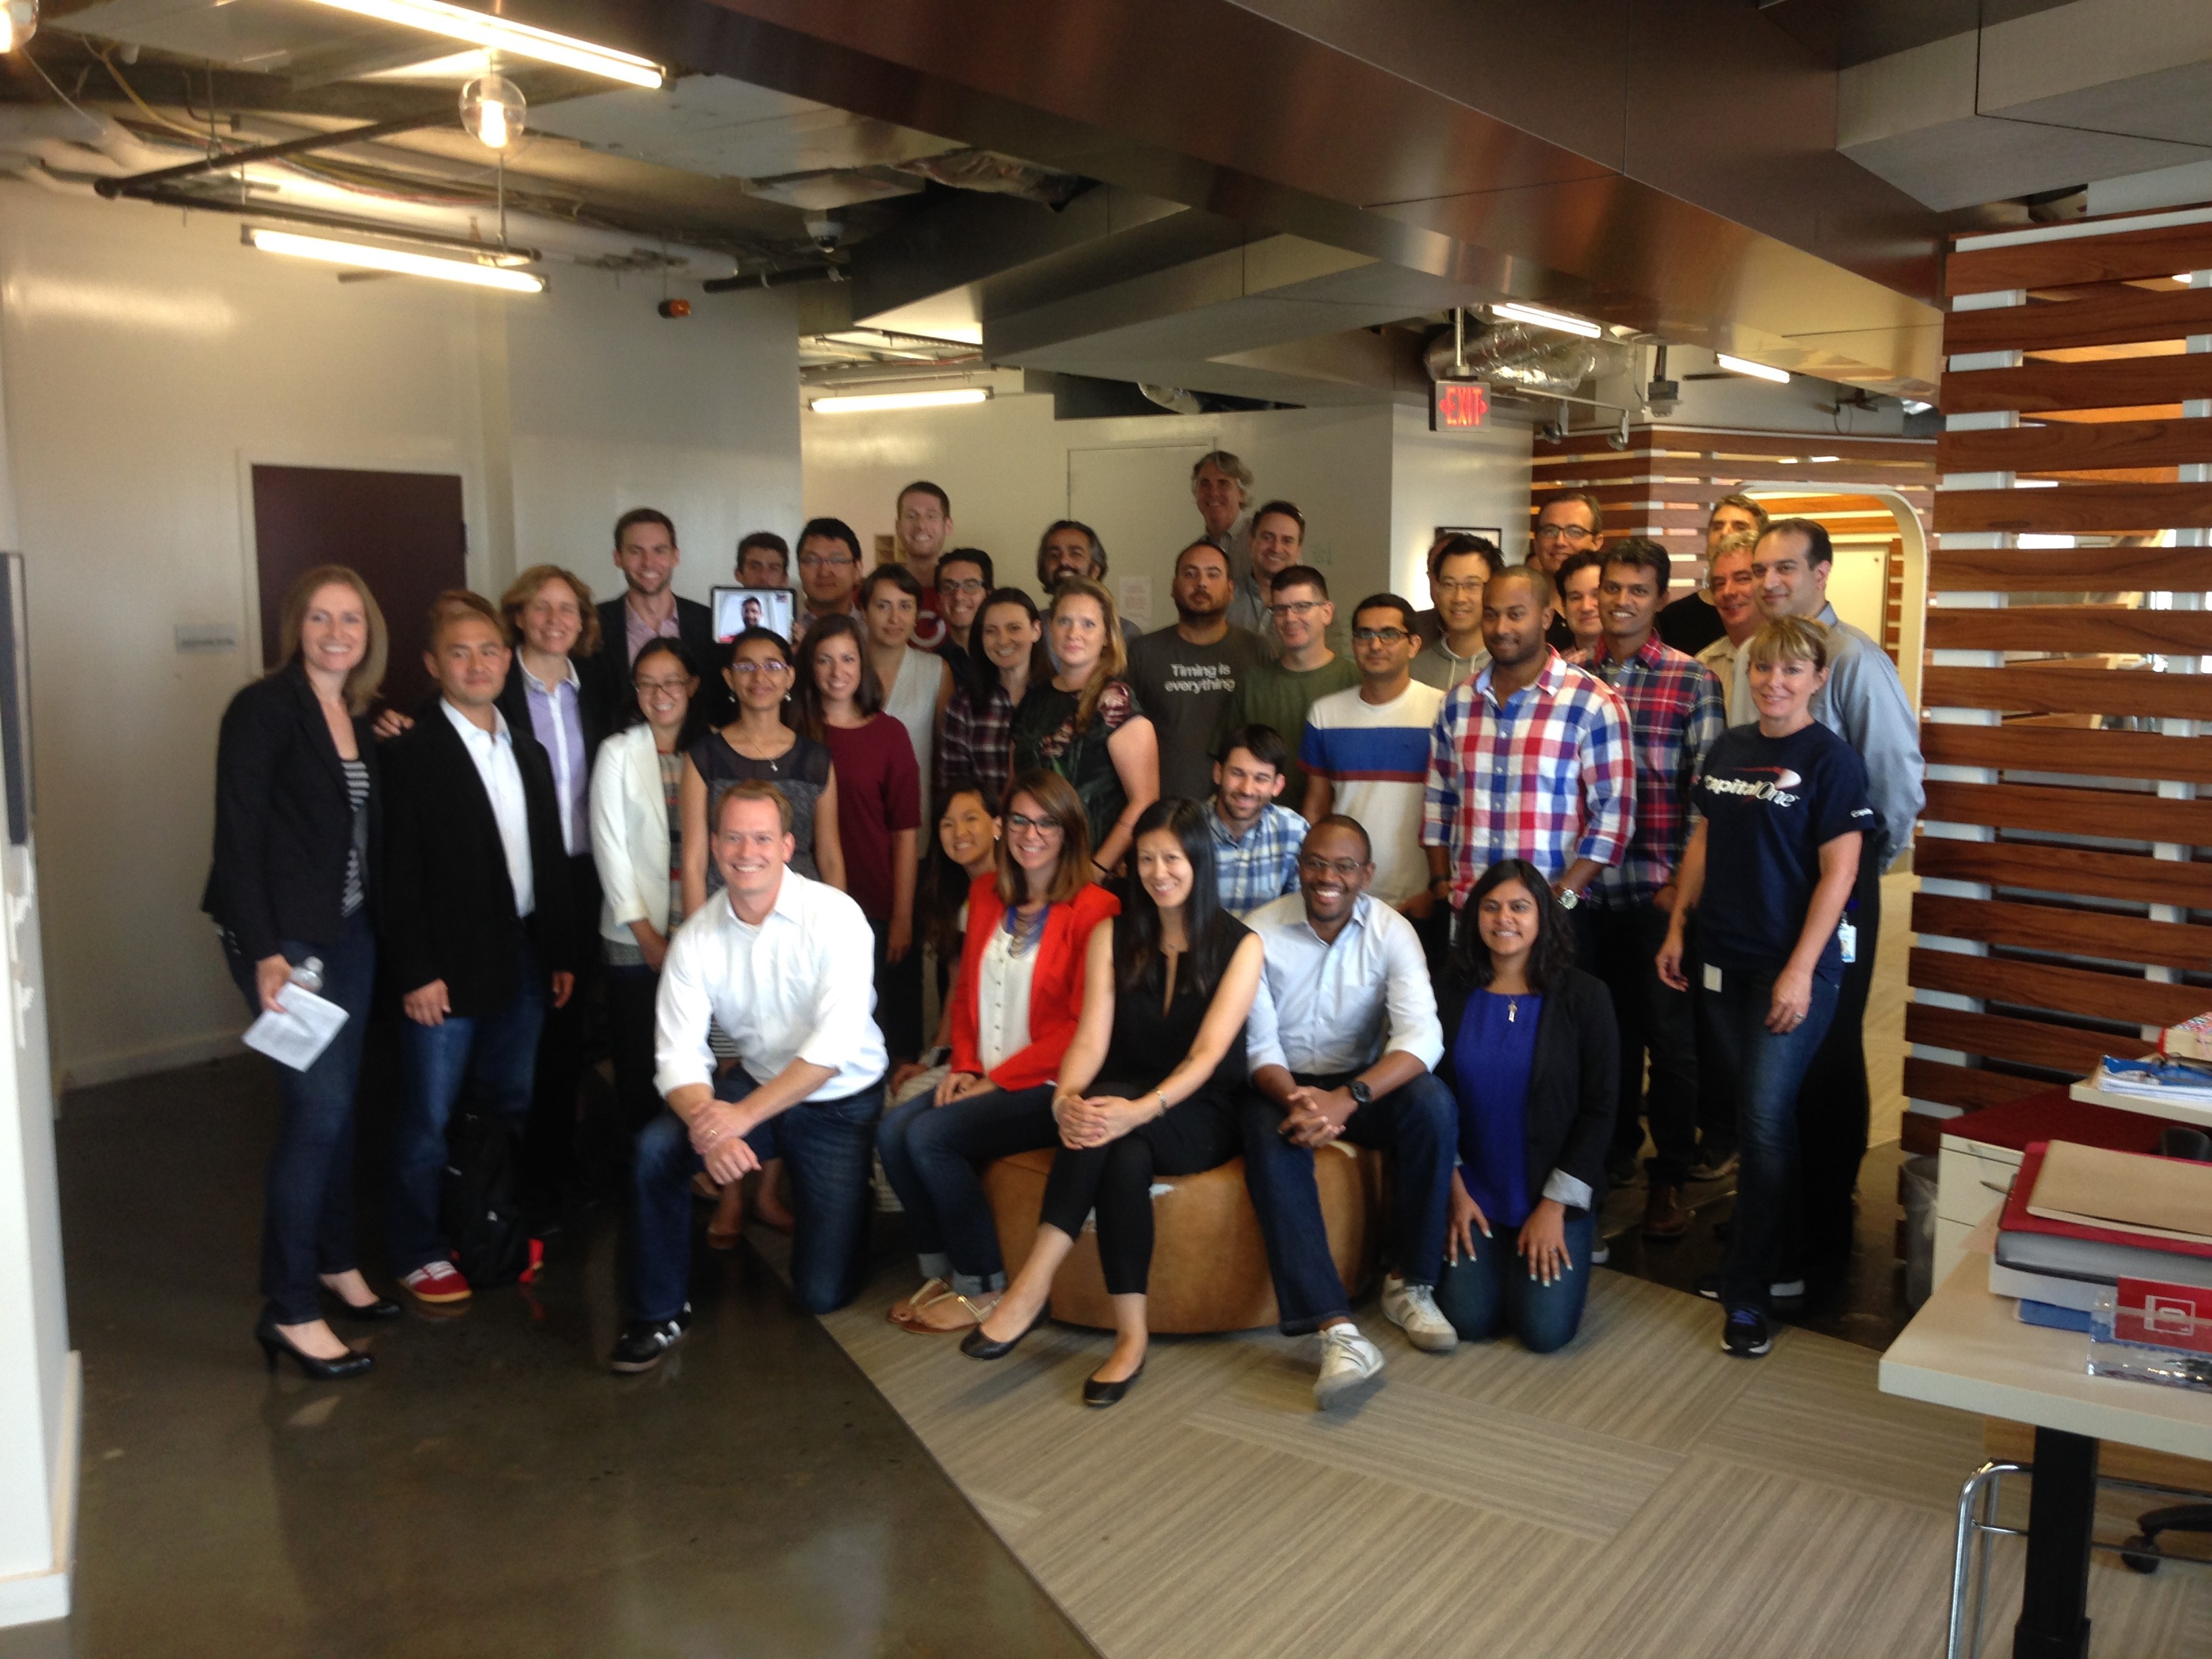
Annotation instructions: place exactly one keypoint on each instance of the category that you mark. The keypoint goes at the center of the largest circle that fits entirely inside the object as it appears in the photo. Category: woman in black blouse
(296, 850)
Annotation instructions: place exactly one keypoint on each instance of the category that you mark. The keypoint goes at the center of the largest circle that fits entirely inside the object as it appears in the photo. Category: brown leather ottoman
(1209, 1265)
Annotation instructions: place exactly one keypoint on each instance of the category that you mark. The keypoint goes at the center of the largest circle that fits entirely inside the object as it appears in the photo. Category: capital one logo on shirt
(1776, 790)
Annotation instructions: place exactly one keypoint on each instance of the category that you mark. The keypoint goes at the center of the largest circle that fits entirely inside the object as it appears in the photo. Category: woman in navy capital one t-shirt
(1783, 805)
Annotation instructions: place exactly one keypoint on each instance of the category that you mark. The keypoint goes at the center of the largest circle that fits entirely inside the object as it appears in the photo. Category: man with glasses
(1185, 674)
(1570, 522)
(1341, 1040)
(1279, 694)
(828, 571)
(1255, 841)
(1451, 634)
(964, 577)
(1366, 752)
(1276, 544)
(1693, 622)
(1734, 593)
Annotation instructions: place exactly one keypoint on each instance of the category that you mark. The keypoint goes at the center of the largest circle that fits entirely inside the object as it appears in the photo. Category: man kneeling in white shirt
(1342, 1035)
(787, 966)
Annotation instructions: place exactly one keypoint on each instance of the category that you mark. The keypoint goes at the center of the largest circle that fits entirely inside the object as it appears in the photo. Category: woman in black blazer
(1530, 1052)
(297, 834)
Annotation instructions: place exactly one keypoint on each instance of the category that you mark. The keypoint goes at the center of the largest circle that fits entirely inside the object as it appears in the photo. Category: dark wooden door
(402, 531)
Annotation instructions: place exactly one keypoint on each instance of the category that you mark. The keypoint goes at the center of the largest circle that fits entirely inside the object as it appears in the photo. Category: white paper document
(297, 1036)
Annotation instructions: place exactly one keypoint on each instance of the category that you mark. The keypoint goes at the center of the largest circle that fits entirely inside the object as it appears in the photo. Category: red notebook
(2016, 1218)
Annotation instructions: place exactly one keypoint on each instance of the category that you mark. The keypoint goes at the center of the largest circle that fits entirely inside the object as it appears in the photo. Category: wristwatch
(1569, 899)
(1360, 1093)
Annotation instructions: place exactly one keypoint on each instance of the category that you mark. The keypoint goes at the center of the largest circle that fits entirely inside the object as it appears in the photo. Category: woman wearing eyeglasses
(1013, 1013)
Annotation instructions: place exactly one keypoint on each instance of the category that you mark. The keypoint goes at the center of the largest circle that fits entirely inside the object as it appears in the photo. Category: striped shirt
(1546, 776)
(1376, 758)
(1264, 864)
(1676, 707)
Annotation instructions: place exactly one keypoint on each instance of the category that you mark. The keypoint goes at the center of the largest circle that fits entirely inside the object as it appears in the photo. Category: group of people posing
(1429, 881)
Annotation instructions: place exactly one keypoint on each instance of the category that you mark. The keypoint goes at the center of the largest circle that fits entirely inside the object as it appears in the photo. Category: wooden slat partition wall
(1664, 484)
(2065, 909)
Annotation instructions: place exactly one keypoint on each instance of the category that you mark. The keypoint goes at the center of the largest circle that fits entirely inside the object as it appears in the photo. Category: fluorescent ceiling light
(1542, 319)
(1917, 406)
(1824, 458)
(1757, 371)
(368, 255)
(864, 402)
(500, 34)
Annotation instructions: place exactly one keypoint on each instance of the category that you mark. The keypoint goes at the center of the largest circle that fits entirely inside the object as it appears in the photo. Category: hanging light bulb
(492, 109)
(19, 21)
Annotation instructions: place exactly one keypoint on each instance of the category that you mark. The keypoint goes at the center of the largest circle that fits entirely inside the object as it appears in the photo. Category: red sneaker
(437, 1282)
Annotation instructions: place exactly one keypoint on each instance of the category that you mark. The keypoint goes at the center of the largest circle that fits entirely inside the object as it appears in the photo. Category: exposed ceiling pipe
(146, 184)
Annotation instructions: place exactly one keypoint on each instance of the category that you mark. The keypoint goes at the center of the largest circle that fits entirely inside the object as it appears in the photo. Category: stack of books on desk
(2082, 1219)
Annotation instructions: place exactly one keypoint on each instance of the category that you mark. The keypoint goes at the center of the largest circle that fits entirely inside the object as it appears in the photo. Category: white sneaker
(1349, 1364)
(1412, 1309)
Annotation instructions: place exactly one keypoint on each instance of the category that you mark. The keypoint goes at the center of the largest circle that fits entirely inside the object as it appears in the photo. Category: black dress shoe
(1095, 1393)
(976, 1345)
(274, 1342)
(374, 1312)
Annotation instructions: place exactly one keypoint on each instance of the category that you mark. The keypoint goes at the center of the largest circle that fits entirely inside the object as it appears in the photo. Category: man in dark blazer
(647, 555)
(477, 930)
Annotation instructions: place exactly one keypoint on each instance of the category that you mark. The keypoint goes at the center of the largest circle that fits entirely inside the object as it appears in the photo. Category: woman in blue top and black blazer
(1530, 1053)
(297, 822)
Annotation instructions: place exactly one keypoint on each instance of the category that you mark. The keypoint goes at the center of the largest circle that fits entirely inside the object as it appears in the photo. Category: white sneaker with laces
(1349, 1365)
(1412, 1309)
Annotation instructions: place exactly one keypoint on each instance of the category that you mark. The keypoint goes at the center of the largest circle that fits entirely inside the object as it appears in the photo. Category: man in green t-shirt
(1279, 694)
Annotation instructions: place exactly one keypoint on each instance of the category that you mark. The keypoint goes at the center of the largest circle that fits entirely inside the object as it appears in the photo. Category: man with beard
(1186, 674)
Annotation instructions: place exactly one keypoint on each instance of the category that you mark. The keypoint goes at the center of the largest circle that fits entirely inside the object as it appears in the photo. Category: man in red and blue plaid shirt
(1676, 708)
(1529, 758)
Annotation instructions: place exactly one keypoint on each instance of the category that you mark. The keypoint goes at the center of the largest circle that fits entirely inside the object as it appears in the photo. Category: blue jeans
(1491, 1291)
(825, 1145)
(931, 1154)
(307, 1217)
(1418, 1124)
(495, 1057)
(1768, 1068)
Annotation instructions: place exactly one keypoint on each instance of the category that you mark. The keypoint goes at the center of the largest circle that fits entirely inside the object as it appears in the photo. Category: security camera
(826, 228)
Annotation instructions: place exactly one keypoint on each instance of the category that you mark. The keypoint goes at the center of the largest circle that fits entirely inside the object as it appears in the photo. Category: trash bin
(1915, 1181)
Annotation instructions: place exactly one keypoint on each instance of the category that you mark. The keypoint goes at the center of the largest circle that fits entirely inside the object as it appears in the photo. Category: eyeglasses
(1343, 869)
(1564, 532)
(747, 670)
(1458, 585)
(1382, 635)
(655, 688)
(966, 585)
(1296, 608)
(1035, 826)
(815, 561)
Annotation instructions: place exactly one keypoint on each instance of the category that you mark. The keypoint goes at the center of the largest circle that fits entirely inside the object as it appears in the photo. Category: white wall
(148, 360)
(1479, 479)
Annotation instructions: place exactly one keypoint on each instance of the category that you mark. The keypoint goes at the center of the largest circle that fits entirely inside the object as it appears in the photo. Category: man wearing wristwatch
(1341, 1037)
(1530, 758)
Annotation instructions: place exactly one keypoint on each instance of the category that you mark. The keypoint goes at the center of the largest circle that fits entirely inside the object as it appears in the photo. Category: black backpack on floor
(480, 1205)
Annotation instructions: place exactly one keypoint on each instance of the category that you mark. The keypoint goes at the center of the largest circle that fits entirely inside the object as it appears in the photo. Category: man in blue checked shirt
(1255, 841)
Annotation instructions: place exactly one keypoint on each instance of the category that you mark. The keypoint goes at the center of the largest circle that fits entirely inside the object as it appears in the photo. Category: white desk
(2198, 1112)
(1967, 1349)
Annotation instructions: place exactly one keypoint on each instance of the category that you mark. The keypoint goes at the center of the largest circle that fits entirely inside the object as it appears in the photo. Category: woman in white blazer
(637, 841)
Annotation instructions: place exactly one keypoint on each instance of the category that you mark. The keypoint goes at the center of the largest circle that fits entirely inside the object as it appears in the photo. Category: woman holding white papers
(295, 852)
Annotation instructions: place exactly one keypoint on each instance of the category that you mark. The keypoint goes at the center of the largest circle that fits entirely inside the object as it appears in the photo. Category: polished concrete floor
(492, 1489)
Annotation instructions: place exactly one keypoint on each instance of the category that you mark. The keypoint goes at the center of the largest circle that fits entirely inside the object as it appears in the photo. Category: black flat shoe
(1095, 1393)
(374, 1312)
(976, 1345)
(274, 1343)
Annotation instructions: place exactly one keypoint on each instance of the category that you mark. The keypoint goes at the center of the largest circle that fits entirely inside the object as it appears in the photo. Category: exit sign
(1458, 405)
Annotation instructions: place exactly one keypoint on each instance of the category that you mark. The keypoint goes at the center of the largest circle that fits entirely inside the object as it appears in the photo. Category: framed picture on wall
(737, 609)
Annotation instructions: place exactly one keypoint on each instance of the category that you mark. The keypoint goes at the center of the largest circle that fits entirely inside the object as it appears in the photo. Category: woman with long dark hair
(297, 838)
(840, 704)
(1084, 722)
(1008, 660)
(1010, 1020)
(1530, 1054)
(1147, 1087)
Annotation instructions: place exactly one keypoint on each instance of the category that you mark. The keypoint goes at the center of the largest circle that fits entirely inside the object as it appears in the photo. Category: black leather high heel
(273, 1342)
(374, 1313)
(976, 1345)
(1095, 1393)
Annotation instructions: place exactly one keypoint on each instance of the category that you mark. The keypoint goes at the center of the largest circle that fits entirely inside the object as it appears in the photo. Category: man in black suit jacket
(647, 555)
(476, 911)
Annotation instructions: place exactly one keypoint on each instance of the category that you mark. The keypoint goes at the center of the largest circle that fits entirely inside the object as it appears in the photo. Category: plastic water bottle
(308, 975)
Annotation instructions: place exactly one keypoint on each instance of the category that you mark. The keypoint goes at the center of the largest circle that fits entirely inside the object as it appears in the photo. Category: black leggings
(1116, 1180)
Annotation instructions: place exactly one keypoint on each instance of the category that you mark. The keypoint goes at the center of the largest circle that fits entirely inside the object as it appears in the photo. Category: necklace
(1023, 931)
(1512, 1009)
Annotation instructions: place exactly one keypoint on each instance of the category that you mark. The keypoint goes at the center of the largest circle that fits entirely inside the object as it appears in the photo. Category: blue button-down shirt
(1261, 867)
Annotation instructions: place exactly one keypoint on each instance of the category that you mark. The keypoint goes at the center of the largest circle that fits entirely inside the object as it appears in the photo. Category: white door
(1138, 498)
(1858, 586)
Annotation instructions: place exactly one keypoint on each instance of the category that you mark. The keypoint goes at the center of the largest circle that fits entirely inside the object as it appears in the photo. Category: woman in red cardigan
(1013, 1013)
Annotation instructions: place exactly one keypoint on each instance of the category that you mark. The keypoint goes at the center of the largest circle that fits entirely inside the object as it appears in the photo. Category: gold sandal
(976, 1317)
